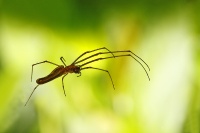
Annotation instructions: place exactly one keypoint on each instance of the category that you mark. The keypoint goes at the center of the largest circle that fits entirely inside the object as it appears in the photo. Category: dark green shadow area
(76, 15)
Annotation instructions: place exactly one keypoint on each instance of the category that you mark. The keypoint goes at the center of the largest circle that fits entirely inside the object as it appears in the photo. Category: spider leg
(117, 56)
(63, 84)
(90, 52)
(31, 95)
(100, 70)
(41, 63)
(93, 56)
(124, 51)
(79, 74)
(134, 55)
(63, 61)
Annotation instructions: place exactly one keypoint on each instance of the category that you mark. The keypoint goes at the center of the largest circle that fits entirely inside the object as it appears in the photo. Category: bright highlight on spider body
(63, 70)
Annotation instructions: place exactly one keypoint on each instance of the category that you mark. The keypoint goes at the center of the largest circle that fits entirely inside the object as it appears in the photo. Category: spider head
(77, 69)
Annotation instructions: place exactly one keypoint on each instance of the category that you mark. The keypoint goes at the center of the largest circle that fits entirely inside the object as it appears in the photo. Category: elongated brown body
(57, 72)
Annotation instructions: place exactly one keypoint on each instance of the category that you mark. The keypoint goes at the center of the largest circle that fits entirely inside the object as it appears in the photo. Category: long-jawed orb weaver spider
(63, 70)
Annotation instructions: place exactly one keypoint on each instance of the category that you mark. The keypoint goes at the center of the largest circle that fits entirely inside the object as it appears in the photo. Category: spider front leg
(75, 61)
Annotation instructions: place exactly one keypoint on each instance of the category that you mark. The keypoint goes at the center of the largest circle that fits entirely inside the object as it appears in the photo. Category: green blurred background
(165, 33)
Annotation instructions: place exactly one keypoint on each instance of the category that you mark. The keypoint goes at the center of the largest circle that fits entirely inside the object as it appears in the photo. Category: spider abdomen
(57, 72)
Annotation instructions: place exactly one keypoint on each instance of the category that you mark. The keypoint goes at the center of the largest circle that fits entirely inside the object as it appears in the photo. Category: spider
(63, 70)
